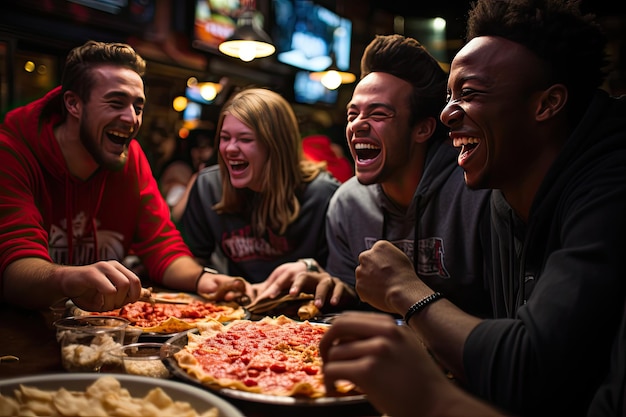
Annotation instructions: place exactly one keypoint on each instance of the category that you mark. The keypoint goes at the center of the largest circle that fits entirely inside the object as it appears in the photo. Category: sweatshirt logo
(242, 245)
(107, 244)
(431, 257)
(430, 253)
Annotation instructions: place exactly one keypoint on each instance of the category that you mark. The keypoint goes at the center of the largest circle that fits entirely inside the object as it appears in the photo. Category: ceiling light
(248, 41)
(333, 77)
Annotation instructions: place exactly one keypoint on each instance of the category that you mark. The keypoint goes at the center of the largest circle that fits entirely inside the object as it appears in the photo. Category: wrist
(205, 270)
(311, 265)
(421, 305)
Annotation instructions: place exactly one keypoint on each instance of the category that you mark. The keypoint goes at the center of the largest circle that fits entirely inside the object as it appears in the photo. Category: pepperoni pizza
(274, 356)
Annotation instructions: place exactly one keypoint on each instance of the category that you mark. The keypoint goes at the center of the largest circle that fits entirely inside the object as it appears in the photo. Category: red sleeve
(23, 199)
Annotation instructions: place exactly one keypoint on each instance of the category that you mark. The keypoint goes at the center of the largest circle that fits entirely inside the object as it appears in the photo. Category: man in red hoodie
(78, 194)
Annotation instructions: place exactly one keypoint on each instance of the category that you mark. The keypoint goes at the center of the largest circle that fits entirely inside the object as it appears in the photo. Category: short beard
(92, 145)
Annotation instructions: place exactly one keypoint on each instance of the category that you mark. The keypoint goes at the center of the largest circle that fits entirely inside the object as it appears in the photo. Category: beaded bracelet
(205, 270)
(420, 305)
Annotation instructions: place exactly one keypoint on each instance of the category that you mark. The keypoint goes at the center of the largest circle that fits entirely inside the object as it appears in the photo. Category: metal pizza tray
(179, 373)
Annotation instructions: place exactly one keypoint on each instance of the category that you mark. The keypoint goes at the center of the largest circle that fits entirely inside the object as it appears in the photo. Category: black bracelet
(205, 270)
(420, 305)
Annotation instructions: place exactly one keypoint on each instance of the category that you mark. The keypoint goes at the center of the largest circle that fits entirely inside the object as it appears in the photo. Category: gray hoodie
(449, 254)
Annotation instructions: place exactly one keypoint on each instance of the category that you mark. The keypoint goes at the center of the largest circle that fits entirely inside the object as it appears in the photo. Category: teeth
(458, 142)
(119, 134)
(234, 163)
(359, 146)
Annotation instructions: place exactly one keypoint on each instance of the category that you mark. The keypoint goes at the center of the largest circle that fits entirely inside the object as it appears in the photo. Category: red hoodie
(111, 213)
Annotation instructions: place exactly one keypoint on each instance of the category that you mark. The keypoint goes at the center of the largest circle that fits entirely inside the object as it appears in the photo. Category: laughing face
(112, 115)
(494, 96)
(245, 156)
(378, 131)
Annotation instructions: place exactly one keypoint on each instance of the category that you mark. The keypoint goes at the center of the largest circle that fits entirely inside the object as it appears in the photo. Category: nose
(359, 124)
(229, 145)
(451, 114)
(130, 115)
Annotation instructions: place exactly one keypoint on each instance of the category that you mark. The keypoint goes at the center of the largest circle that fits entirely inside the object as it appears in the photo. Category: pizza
(273, 356)
(169, 317)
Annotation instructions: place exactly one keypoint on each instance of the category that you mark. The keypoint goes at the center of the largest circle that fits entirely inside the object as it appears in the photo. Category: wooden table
(30, 336)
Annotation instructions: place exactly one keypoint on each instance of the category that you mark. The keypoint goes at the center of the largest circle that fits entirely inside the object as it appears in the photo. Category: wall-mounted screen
(214, 22)
(308, 36)
(308, 91)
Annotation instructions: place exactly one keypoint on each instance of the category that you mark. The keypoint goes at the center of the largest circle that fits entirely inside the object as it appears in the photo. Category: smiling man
(78, 194)
(408, 188)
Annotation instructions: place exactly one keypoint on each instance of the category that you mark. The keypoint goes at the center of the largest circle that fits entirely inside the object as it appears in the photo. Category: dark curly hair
(571, 44)
(408, 60)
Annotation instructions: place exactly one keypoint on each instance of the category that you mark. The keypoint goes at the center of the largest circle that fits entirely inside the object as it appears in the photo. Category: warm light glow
(192, 81)
(208, 91)
(183, 133)
(246, 50)
(180, 103)
(439, 24)
(29, 66)
(332, 79)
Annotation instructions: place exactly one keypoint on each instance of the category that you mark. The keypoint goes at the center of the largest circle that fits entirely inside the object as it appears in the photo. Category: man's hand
(102, 286)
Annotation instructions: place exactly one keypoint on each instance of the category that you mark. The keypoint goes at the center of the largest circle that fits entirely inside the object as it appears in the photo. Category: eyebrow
(122, 94)
(374, 105)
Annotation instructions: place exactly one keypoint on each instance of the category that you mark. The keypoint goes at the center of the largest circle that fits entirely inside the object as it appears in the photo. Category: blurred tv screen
(307, 36)
(308, 91)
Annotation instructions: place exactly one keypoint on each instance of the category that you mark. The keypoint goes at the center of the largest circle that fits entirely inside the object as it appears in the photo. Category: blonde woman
(264, 204)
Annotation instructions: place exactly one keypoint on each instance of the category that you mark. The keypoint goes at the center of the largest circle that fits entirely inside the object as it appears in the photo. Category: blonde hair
(275, 125)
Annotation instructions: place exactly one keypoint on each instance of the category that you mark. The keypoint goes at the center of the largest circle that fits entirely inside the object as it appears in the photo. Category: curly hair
(407, 59)
(274, 124)
(571, 44)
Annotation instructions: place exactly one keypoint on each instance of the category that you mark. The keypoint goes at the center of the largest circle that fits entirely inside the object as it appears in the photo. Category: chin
(366, 178)
(116, 164)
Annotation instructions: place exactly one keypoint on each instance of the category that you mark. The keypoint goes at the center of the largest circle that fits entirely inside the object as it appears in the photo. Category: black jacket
(558, 281)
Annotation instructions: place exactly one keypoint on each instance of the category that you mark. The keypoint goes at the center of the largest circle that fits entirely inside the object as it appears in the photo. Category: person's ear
(423, 130)
(73, 103)
(551, 102)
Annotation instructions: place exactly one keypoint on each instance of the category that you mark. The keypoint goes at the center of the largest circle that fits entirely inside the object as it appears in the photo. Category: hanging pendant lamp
(248, 41)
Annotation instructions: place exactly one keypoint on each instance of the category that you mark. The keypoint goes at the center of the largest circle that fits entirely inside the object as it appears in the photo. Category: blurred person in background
(317, 145)
(264, 204)
(159, 144)
(196, 152)
(77, 193)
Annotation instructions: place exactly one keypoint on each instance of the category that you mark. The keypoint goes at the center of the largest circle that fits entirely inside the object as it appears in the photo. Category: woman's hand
(295, 278)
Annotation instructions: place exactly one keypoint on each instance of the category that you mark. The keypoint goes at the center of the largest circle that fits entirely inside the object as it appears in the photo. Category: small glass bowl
(85, 340)
(144, 358)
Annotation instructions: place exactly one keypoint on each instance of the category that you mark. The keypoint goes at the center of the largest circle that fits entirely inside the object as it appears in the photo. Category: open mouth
(238, 166)
(117, 137)
(467, 146)
(366, 151)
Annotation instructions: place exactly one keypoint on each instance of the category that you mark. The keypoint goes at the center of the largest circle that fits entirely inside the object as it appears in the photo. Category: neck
(522, 193)
(78, 160)
(401, 188)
